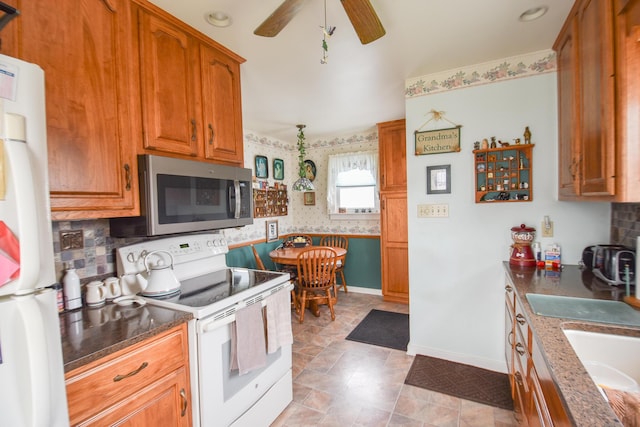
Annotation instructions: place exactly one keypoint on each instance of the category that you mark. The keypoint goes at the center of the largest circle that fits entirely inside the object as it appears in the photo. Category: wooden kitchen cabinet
(83, 48)
(394, 237)
(145, 384)
(190, 91)
(10, 33)
(535, 397)
(627, 35)
(392, 141)
(598, 79)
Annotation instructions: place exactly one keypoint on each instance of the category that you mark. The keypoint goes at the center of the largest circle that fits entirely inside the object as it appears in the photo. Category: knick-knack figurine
(493, 142)
(527, 135)
(476, 145)
(485, 144)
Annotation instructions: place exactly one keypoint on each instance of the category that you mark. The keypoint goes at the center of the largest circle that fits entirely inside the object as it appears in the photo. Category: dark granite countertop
(91, 333)
(583, 401)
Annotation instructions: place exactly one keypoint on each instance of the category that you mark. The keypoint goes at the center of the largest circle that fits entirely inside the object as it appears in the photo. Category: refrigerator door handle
(36, 389)
(25, 201)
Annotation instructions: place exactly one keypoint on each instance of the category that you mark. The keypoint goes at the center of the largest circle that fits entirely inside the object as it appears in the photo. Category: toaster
(610, 263)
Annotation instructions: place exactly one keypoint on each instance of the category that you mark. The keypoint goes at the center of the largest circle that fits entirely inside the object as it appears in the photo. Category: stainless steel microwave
(181, 196)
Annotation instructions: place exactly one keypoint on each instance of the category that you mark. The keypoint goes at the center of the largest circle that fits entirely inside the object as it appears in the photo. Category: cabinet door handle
(520, 349)
(130, 374)
(509, 338)
(183, 396)
(520, 318)
(127, 176)
(211, 134)
(193, 129)
(508, 288)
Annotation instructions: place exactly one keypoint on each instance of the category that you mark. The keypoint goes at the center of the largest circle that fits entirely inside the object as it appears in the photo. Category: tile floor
(345, 383)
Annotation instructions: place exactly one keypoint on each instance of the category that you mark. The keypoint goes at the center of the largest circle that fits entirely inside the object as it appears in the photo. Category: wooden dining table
(289, 257)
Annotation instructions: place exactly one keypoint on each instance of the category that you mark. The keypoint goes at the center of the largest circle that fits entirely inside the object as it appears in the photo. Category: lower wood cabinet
(394, 247)
(535, 397)
(146, 384)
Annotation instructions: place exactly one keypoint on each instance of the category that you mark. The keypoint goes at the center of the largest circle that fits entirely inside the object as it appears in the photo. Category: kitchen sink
(611, 360)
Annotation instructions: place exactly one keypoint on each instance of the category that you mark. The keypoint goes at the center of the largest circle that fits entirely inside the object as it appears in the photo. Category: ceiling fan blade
(364, 20)
(279, 18)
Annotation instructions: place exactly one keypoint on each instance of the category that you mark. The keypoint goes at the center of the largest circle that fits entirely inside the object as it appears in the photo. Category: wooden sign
(438, 141)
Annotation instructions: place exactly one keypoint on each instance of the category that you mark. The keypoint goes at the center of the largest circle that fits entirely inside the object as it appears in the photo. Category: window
(352, 186)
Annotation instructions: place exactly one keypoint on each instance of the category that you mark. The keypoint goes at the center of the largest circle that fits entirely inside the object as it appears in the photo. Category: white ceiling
(284, 83)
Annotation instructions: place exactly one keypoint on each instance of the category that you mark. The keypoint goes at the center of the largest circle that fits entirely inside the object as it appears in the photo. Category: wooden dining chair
(256, 255)
(316, 279)
(338, 241)
(292, 273)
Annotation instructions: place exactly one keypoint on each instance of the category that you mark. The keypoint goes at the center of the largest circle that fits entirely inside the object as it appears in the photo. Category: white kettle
(160, 279)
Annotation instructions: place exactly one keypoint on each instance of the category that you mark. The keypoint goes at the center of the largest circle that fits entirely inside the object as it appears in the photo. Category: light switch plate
(433, 211)
(547, 231)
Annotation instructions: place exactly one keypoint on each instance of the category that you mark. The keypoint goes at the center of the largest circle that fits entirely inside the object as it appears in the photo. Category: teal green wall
(362, 265)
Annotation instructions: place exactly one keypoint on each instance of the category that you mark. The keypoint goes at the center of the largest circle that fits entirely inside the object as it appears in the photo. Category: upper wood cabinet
(598, 74)
(627, 30)
(82, 47)
(190, 91)
(393, 155)
(10, 33)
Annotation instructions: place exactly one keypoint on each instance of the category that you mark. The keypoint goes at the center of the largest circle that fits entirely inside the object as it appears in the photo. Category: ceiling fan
(360, 12)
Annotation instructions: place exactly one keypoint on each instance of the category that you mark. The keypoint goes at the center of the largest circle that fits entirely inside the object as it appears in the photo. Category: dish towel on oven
(247, 340)
(278, 321)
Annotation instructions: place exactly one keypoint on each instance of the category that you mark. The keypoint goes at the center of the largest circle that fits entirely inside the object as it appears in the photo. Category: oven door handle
(210, 325)
(216, 323)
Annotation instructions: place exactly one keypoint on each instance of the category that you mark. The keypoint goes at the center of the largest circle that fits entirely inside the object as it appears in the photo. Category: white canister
(72, 295)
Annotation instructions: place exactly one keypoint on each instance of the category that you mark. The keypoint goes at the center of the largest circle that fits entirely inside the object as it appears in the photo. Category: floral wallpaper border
(478, 74)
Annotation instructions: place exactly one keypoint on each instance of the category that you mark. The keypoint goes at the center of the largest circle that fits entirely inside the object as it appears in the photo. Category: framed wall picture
(309, 198)
(262, 167)
(278, 169)
(439, 179)
(272, 230)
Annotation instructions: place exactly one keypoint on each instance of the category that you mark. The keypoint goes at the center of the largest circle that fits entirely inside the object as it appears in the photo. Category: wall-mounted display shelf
(504, 174)
(270, 202)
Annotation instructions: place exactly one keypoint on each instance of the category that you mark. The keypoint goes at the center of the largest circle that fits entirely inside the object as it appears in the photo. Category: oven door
(226, 398)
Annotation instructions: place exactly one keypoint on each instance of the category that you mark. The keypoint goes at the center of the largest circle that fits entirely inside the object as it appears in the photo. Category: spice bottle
(72, 296)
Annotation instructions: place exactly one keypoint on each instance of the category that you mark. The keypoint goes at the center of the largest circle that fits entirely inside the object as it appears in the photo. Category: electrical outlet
(433, 211)
(547, 229)
(71, 239)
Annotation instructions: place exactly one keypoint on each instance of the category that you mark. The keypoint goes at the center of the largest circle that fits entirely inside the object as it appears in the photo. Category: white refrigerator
(32, 389)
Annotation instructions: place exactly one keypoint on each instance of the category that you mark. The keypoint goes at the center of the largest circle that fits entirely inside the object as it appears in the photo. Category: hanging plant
(303, 183)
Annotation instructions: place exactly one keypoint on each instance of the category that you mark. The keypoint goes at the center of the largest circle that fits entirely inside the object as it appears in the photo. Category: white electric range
(213, 292)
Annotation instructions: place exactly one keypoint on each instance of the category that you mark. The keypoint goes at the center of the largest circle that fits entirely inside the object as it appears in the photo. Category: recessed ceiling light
(533, 13)
(218, 19)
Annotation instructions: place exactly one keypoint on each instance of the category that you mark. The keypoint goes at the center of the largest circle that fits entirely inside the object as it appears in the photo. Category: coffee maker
(521, 253)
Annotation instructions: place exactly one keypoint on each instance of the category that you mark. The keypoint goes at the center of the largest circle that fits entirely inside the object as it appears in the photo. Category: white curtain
(365, 161)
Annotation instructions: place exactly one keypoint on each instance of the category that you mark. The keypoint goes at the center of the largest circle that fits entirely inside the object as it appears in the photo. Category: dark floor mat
(383, 328)
(464, 381)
